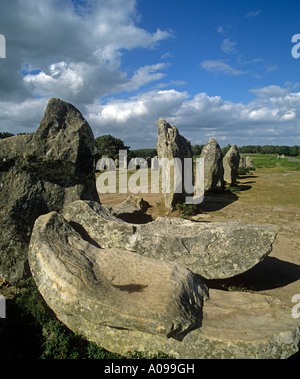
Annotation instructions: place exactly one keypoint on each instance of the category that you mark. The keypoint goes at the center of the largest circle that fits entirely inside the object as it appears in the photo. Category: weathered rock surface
(126, 302)
(40, 173)
(213, 166)
(231, 165)
(249, 162)
(172, 145)
(235, 326)
(214, 250)
(89, 287)
(242, 163)
(133, 205)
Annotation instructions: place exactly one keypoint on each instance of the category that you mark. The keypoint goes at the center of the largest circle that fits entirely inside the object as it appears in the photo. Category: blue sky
(215, 69)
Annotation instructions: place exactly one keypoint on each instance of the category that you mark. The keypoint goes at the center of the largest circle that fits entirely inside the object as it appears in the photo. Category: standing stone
(242, 163)
(249, 162)
(172, 145)
(231, 165)
(213, 166)
(40, 173)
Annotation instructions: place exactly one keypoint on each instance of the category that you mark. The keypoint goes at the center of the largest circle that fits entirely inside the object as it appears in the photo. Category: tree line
(292, 151)
(109, 146)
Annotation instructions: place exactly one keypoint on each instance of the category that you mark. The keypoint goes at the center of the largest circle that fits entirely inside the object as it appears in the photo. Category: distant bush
(144, 153)
(242, 171)
(5, 135)
(292, 151)
(197, 149)
(187, 210)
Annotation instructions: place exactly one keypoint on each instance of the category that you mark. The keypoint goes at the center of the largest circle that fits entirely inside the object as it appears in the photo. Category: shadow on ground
(269, 274)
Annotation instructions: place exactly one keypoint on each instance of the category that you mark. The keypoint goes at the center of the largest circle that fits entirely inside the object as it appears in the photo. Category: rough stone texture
(213, 166)
(170, 145)
(249, 162)
(133, 205)
(235, 326)
(213, 250)
(89, 287)
(40, 173)
(231, 165)
(242, 163)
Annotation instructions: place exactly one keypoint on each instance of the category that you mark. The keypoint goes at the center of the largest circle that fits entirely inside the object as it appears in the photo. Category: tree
(294, 151)
(5, 135)
(225, 149)
(109, 146)
(197, 149)
(144, 153)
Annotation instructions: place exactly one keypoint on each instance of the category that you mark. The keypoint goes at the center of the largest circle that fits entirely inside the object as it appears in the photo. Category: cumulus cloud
(71, 50)
(63, 49)
(134, 119)
(253, 14)
(274, 113)
(76, 50)
(271, 117)
(270, 91)
(228, 46)
(218, 66)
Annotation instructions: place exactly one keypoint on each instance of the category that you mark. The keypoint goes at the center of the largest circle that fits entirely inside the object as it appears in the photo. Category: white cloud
(218, 66)
(201, 117)
(23, 116)
(270, 91)
(77, 50)
(274, 112)
(220, 29)
(271, 68)
(83, 83)
(253, 14)
(75, 53)
(228, 46)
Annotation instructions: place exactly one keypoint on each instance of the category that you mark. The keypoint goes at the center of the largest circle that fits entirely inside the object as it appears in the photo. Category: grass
(271, 161)
(32, 331)
(187, 210)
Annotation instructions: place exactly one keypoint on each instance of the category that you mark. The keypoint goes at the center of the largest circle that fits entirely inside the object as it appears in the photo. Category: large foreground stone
(235, 326)
(90, 288)
(39, 173)
(214, 250)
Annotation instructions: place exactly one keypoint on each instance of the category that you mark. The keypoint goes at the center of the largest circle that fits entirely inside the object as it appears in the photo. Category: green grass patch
(188, 210)
(32, 331)
(271, 161)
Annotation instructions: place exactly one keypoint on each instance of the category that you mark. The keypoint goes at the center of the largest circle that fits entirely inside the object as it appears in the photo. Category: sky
(215, 69)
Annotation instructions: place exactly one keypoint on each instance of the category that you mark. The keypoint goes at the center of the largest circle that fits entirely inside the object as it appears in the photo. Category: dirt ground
(266, 197)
